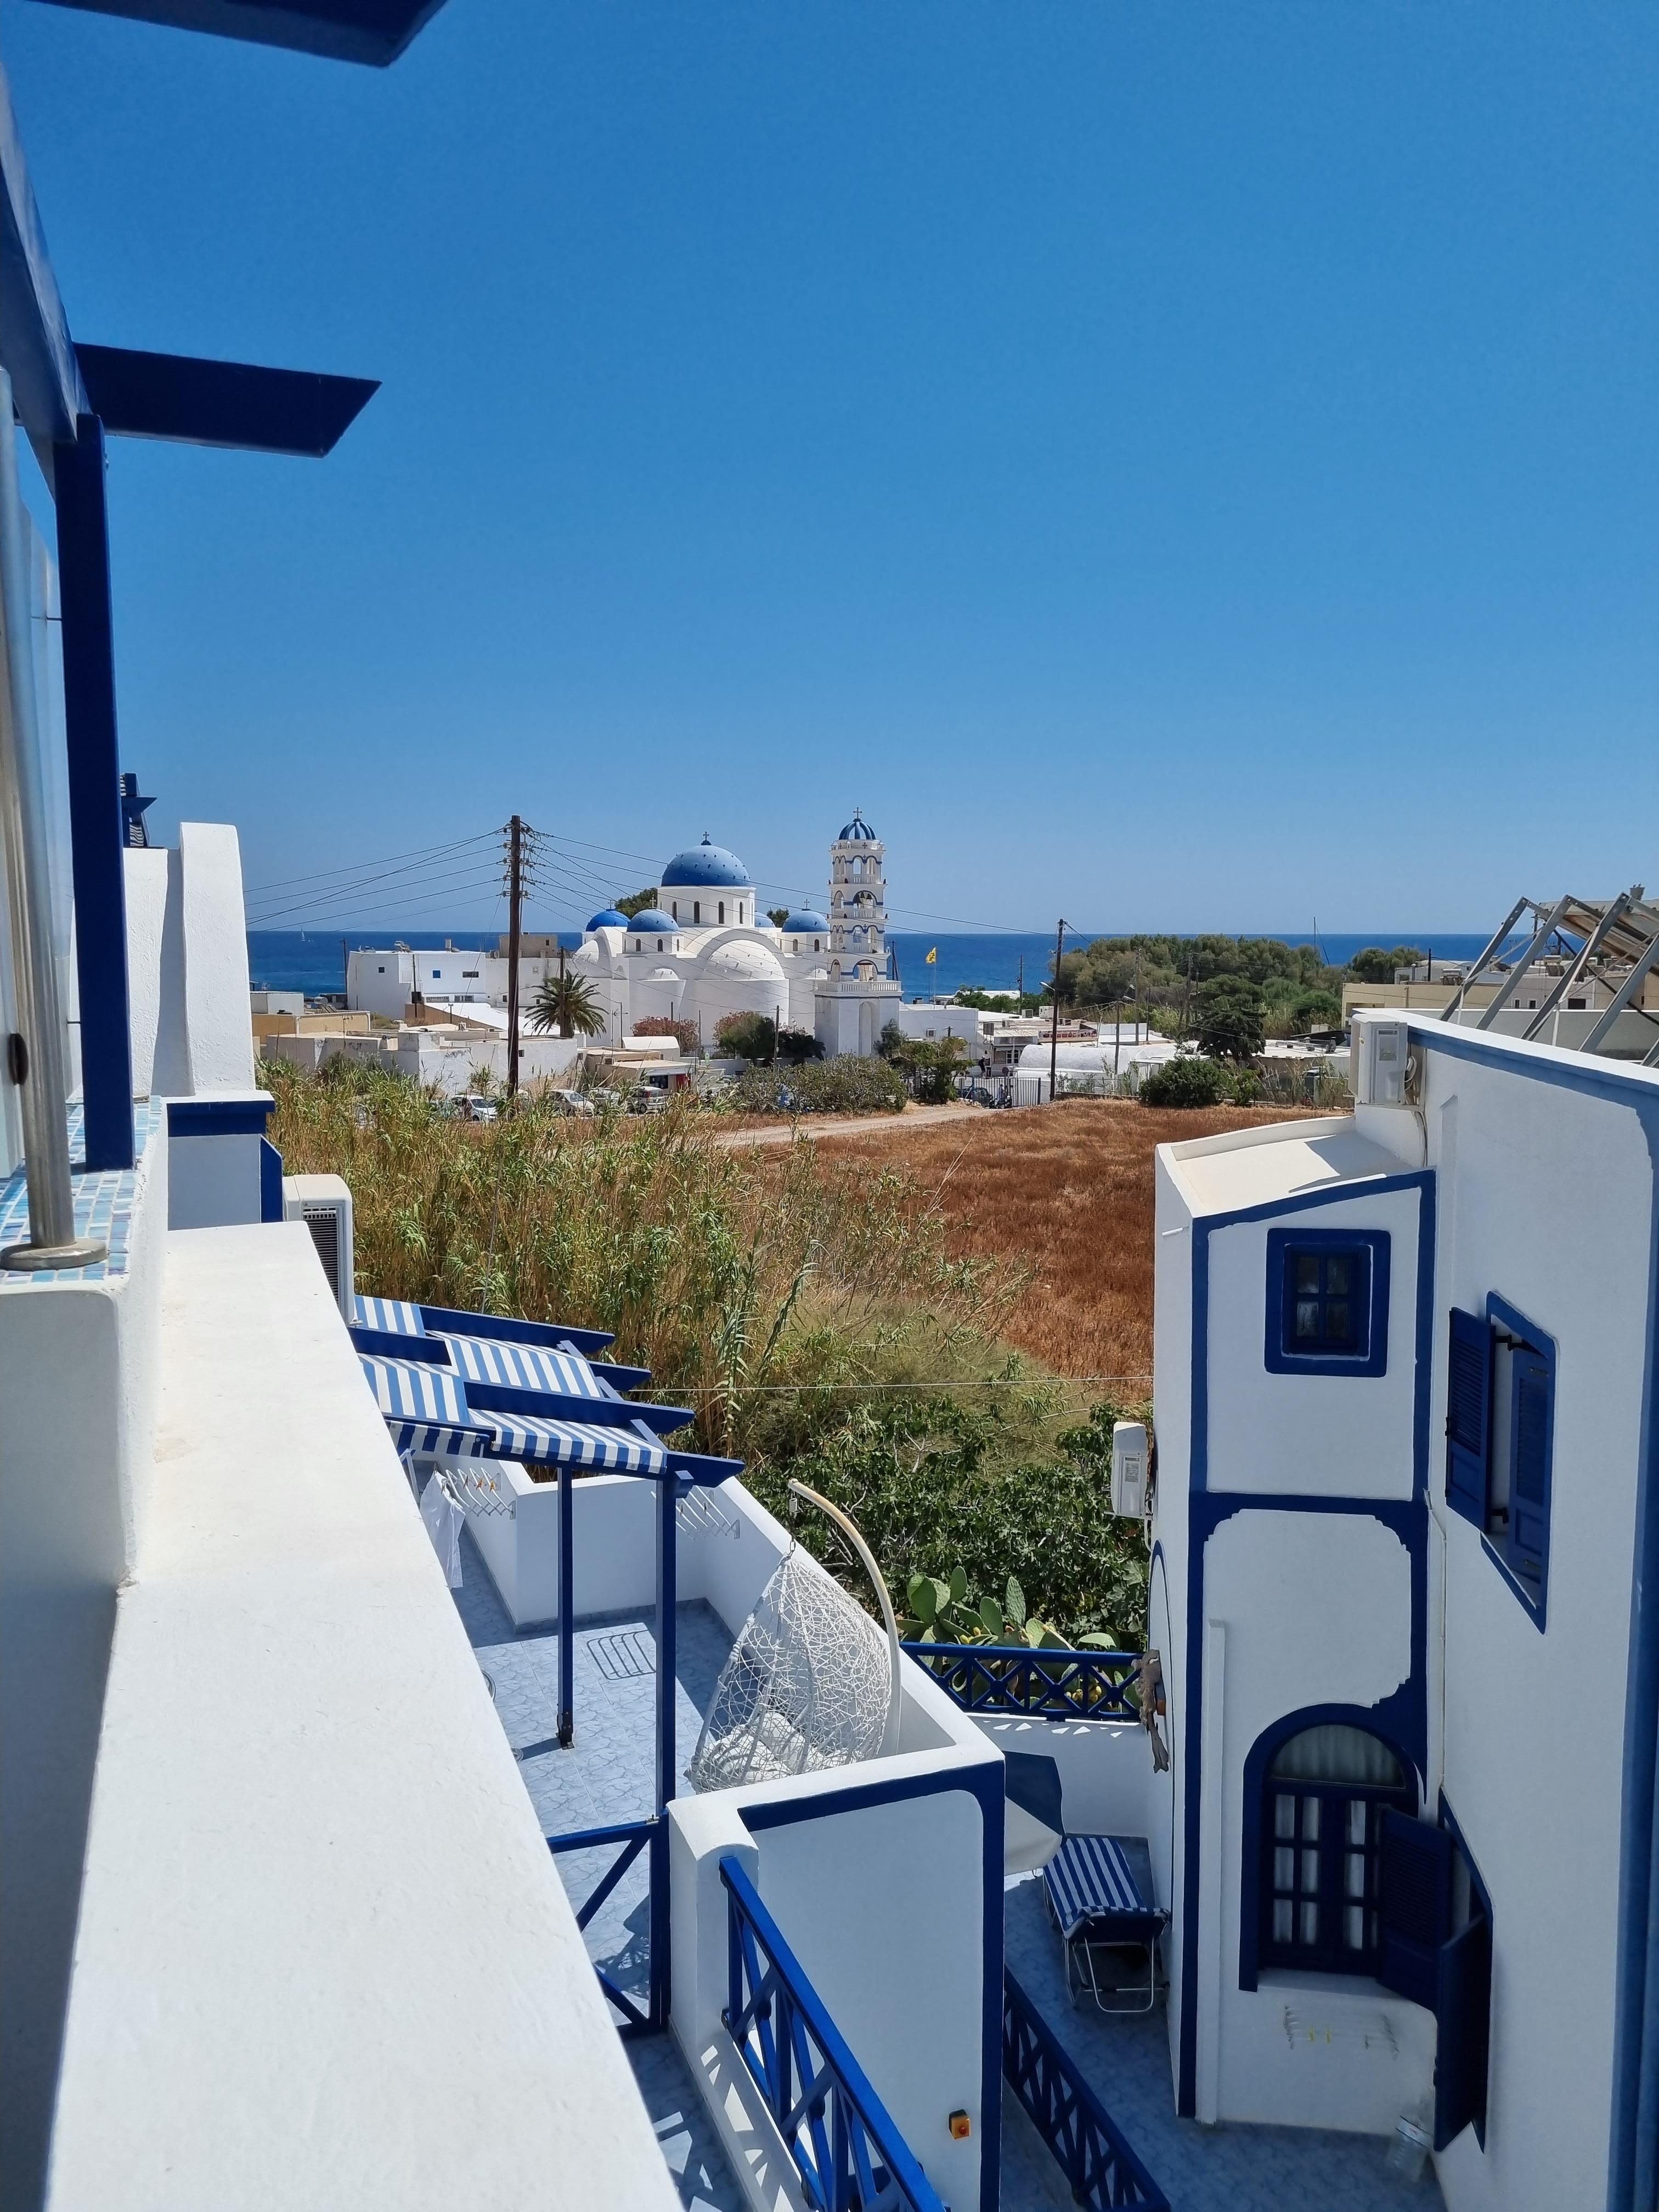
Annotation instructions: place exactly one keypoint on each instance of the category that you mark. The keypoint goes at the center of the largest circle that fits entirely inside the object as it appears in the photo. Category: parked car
(476, 1109)
(570, 1102)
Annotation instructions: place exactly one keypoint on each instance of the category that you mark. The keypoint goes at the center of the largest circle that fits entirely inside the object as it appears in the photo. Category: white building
(861, 990)
(1404, 1547)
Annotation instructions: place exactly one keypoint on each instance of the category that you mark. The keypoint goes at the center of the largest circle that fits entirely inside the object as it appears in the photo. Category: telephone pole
(515, 911)
(1053, 1026)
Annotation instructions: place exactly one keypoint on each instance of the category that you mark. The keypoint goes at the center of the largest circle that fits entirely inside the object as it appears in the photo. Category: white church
(707, 950)
(704, 950)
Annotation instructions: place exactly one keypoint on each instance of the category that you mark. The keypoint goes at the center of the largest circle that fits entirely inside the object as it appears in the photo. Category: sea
(315, 962)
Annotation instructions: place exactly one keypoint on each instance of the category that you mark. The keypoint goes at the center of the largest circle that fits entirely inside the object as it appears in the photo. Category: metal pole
(1053, 1026)
(667, 1600)
(514, 898)
(34, 1050)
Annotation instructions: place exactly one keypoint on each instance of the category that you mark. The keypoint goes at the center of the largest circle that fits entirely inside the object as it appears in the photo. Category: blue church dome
(705, 866)
(799, 924)
(858, 832)
(652, 921)
(608, 918)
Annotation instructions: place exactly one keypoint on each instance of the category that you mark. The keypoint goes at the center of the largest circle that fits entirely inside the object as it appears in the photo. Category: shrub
(850, 1083)
(684, 1033)
(798, 1045)
(1184, 1082)
(751, 1036)
(1227, 1014)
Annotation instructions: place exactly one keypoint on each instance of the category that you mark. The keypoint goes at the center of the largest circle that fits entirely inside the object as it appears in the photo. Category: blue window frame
(1500, 1440)
(1327, 1301)
(1322, 1793)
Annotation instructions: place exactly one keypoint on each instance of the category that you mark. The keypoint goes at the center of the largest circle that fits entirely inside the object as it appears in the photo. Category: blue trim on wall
(270, 1181)
(1255, 1767)
(982, 1781)
(1516, 1323)
(1373, 1357)
(218, 1117)
(1404, 1713)
(1449, 1822)
(97, 833)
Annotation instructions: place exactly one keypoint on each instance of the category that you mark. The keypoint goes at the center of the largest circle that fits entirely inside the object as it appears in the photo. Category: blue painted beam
(97, 828)
(372, 31)
(221, 403)
(35, 347)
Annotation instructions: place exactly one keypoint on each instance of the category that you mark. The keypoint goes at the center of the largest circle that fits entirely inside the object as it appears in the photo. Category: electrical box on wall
(1129, 1469)
(322, 1202)
(1380, 1060)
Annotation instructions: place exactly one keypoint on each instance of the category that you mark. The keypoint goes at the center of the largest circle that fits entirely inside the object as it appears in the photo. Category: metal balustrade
(1020, 1678)
(632, 1837)
(1101, 2169)
(847, 2151)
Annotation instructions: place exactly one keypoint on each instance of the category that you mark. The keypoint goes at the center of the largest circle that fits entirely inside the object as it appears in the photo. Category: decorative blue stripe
(270, 1181)
(218, 1117)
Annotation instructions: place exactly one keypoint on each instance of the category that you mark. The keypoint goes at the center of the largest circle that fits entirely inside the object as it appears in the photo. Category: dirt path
(819, 1126)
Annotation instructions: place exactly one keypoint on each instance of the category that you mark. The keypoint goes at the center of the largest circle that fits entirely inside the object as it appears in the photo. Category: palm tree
(565, 1004)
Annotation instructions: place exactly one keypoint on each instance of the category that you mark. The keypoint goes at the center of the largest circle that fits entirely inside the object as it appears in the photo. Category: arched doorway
(866, 1027)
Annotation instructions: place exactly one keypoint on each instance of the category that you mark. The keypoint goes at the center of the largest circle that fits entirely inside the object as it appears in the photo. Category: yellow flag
(932, 957)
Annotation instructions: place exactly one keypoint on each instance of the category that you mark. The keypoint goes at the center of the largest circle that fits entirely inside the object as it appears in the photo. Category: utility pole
(515, 910)
(345, 973)
(1053, 1026)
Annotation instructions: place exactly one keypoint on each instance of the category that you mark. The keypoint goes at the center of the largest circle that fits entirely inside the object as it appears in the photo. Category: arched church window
(675, 910)
(722, 913)
(1323, 1790)
(696, 911)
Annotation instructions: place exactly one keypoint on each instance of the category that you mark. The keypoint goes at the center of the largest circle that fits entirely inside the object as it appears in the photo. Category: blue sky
(1182, 466)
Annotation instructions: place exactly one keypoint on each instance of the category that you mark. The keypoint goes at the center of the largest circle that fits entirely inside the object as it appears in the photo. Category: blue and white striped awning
(525, 1367)
(425, 1409)
(392, 1316)
(576, 1444)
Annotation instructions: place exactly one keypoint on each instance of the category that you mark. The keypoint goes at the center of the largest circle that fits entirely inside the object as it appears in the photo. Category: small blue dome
(799, 924)
(703, 867)
(653, 922)
(608, 918)
(857, 832)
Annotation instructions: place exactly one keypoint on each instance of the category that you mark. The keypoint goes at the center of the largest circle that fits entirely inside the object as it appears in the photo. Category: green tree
(1375, 963)
(798, 1045)
(777, 915)
(751, 1036)
(637, 902)
(566, 1005)
(684, 1034)
(1227, 1016)
(890, 1043)
(932, 1064)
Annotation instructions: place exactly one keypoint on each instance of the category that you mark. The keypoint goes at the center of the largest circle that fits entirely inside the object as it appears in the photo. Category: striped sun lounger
(1100, 1894)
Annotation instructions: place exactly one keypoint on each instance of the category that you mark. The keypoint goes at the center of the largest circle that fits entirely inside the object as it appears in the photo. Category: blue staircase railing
(1019, 1677)
(847, 2151)
(1102, 2171)
(632, 1837)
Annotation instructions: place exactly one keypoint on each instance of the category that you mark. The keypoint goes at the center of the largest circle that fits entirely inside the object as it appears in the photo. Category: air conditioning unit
(1129, 1462)
(324, 1204)
(1382, 1051)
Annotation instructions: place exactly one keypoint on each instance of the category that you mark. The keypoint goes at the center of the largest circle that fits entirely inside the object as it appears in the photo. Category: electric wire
(355, 867)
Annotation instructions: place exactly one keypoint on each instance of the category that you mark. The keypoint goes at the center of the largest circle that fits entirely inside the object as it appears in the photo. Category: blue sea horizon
(313, 961)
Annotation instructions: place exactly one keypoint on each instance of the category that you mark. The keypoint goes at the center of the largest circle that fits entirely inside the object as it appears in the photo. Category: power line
(287, 883)
(347, 901)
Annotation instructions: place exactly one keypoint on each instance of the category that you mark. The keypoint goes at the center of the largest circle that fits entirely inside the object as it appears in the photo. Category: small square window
(1328, 1297)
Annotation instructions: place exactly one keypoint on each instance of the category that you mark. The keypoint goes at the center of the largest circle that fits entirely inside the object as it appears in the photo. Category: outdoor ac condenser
(1381, 1051)
(324, 1204)
(1129, 1470)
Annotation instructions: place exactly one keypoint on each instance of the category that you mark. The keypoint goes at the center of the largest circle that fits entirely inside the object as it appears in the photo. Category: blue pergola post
(667, 1599)
(96, 834)
(567, 1612)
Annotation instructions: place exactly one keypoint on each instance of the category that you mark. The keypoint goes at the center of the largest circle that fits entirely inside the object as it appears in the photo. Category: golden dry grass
(1065, 1191)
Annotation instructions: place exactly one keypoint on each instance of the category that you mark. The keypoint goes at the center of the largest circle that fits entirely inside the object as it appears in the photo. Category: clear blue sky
(1180, 465)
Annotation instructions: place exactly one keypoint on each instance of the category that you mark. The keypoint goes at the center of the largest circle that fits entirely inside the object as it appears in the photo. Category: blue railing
(1019, 1677)
(1100, 2167)
(631, 1838)
(850, 2156)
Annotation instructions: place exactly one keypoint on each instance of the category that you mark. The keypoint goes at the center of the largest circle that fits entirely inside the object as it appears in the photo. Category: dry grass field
(1067, 1190)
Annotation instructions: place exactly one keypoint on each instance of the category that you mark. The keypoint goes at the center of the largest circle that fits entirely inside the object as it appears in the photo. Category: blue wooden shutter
(1530, 1465)
(1463, 2009)
(1468, 1414)
(1414, 1904)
